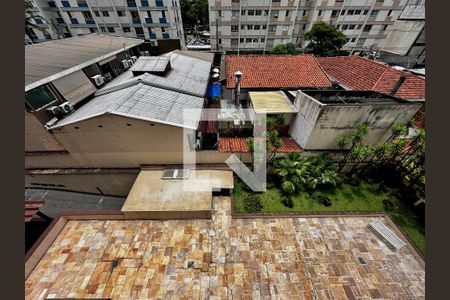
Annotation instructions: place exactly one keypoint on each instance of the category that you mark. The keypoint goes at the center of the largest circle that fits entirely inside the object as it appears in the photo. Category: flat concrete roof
(152, 196)
(295, 257)
(271, 102)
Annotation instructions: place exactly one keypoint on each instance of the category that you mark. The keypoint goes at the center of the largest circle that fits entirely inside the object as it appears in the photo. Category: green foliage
(252, 203)
(324, 39)
(287, 201)
(389, 206)
(194, 12)
(283, 49)
(342, 142)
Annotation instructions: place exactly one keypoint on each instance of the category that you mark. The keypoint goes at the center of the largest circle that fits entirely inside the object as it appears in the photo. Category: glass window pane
(39, 97)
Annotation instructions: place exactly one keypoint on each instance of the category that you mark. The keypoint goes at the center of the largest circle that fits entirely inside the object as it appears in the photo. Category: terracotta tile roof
(31, 208)
(288, 145)
(358, 73)
(276, 71)
(419, 119)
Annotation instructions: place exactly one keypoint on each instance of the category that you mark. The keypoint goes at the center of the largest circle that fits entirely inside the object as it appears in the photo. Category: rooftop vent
(175, 174)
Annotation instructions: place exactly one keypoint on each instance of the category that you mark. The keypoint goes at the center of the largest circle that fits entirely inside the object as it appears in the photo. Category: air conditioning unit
(66, 107)
(142, 53)
(107, 77)
(98, 79)
(130, 62)
(147, 53)
(125, 64)
(56, 111)
(154, 43)
(134, 58)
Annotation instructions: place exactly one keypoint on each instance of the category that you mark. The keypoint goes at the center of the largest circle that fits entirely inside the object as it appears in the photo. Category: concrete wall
(318, 127)
(37, 138)
(402, 36)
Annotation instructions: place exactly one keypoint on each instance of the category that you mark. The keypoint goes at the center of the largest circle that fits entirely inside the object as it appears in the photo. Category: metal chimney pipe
(237, 90)
(397, 86)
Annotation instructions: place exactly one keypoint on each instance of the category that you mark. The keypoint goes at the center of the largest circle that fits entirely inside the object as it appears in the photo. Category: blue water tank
(215, 90)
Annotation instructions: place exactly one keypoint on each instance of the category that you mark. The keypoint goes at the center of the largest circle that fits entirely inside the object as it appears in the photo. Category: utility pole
(217, 34)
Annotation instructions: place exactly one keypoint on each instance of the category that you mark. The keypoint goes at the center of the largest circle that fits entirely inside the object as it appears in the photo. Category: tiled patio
(224, 258)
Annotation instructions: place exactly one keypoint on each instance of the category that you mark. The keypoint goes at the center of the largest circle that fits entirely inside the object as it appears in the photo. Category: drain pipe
(237, 91)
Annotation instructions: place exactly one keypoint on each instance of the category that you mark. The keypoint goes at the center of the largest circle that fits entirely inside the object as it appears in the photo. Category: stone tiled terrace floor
(224, 258)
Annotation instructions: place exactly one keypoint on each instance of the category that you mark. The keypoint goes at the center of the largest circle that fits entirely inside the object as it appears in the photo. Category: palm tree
(29, 17)
(294, 172)
(399, 129)
(357, 137)
(358, 154)
(342, 142)
(379, 155)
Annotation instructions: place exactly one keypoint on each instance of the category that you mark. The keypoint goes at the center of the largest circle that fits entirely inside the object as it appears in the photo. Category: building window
(351, 27)
(359, 26)
(97, 13)
(144, 3)
(87, 15)
(319, 13)
(105, 13)
(304, 13)
(389, 13)
(367, 28)
(350, 12)
(374, 13)
(334, 13)
(241, 40)
(357, 12)
(251, 12)
(219, 13)
(366, 11)
(304, 27)
(243, 12)
(272, 28)
(82, 4)
(242, 27)
(257, 27)
(40, 97)
(159, 3)
(234, 42)
(266, 12)
(65, 3)
(235, 13)
(126, 29)
(248, 40)
(131, 3)
(275, 14)
(287, 13)
(338, 26)
(51, 3)
(344, 27)
(103, 29)
(263, 40)
(93, 30)
(353, 40)
(258, 12)
(342, 12)
(163, 14)
(139, 30)
(234, 28)
(361, 41)
(249, 27)
(121, 13)
(385, 27)
(111, 29)
(264, 27)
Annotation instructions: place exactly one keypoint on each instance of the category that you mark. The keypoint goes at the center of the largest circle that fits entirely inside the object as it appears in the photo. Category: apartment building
(259, 25)
(153, 20)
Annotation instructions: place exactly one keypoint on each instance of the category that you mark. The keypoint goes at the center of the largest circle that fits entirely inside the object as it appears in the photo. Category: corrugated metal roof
(271, 102)
(150, 97)
(142, 102)
(150, 64)
(59, 56)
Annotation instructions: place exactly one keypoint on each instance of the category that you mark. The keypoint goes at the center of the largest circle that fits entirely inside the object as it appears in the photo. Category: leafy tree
(194, 12)
(324, 39)
(358, 135)
(283, 49)
(294, 172)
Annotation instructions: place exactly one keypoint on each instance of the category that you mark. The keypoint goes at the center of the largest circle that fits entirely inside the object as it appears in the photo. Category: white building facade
(259, 25)
(146, 19)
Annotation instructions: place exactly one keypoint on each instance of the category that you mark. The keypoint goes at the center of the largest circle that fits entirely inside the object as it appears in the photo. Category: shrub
(389, 206)
(287, 201)
(324, 200)
(252, 203)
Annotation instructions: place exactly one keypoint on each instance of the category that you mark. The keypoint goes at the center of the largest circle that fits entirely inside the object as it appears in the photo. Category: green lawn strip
(345, 198)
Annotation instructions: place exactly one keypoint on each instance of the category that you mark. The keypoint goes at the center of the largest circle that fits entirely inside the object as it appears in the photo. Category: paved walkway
(225, 258)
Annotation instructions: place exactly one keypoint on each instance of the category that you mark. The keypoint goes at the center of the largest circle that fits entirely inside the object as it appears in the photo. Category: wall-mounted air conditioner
(134, 58)
(55, 111)
(154, 43)
(130, 62)
(66, 107)
(125, 64)
(98, 79)
(147, 53)
(142, 53)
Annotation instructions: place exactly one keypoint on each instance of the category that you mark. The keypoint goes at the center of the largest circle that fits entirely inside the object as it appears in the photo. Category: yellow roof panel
(271, 102)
